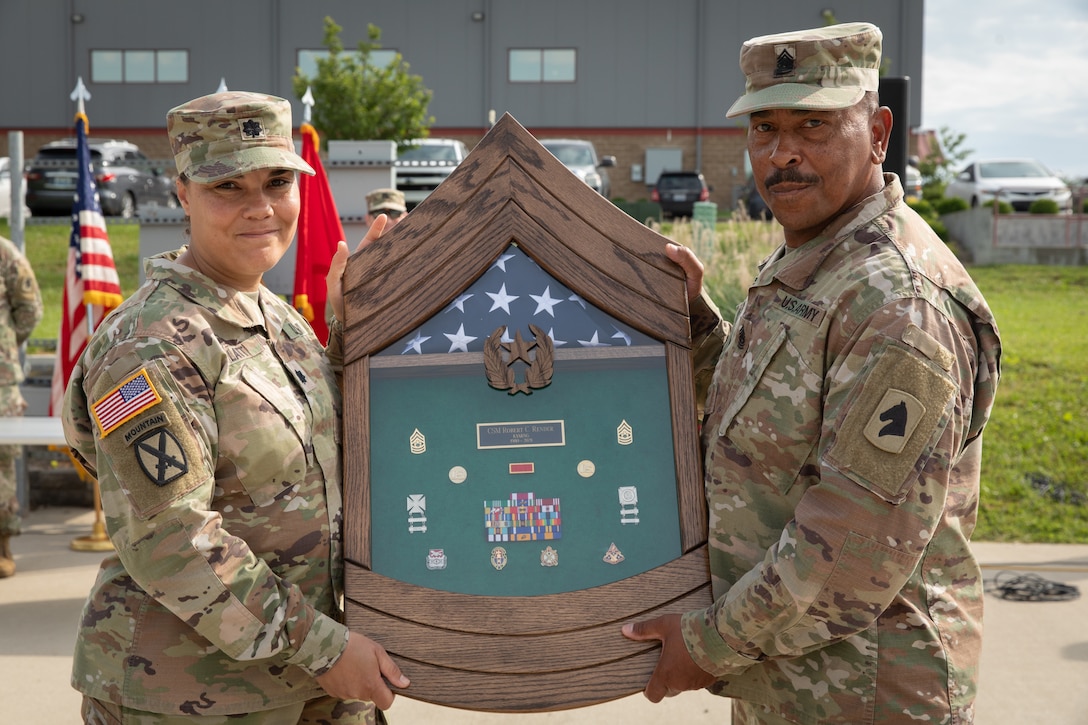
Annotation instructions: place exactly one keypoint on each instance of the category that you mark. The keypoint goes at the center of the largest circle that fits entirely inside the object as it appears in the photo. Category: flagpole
(98, 540)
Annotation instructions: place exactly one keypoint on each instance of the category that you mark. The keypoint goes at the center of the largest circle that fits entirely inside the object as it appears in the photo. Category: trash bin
(704, 217)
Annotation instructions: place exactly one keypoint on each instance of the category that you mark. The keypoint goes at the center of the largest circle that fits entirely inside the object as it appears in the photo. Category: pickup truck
(423, 164)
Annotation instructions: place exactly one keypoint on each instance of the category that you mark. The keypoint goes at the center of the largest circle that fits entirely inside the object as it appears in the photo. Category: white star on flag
(501, 300)
(593, 342)
(459, 340)
(557, 343)
(459, 303)
(416, 343)
(545, 302)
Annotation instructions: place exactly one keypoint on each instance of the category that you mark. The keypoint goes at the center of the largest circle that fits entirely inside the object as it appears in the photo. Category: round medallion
(458, 474)
(586, 469)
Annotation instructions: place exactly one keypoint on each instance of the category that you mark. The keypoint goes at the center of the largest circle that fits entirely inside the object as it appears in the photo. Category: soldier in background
(210, 414)
(385, 201)
(843, 426)
(20, 312)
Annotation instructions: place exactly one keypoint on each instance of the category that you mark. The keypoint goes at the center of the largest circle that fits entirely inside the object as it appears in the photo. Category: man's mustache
(789, 175)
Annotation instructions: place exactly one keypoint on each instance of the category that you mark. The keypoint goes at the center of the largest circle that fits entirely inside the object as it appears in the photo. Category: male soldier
(20, 312)
(843, 425)
(385, 201)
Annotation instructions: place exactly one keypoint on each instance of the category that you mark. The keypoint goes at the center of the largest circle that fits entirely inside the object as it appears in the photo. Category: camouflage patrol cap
(385, 199)
(227, 134)
(823, 69)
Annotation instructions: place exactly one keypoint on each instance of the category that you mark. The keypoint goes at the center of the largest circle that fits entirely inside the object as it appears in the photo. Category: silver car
(581, 158)
(1016, 181)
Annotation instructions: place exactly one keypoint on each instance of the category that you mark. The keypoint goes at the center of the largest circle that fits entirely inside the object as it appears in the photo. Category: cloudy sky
(1013, 76)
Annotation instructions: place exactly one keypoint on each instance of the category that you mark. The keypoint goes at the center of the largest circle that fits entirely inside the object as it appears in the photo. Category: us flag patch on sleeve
(130, 398)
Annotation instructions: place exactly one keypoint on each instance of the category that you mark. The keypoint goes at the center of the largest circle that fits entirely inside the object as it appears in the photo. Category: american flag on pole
(91, 285)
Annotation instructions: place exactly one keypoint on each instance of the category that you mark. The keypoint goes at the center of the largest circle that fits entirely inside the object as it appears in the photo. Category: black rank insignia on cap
(784, 61)
(252, 128)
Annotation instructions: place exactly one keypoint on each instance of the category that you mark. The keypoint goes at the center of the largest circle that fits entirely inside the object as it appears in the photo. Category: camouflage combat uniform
(212, 420)
(842, 443)
(20, 312)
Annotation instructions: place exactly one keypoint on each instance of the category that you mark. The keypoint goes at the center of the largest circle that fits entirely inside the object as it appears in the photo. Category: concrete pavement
(1034, 665)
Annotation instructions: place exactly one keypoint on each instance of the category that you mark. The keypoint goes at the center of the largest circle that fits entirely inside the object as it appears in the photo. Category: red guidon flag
(319, 231)
(91, 286)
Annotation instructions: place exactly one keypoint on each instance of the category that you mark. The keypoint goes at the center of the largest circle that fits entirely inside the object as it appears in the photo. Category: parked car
(581, 158)
(1016, 181)
(753, 203)
(423, 164)
(5, 188)
(124, 177)
(677, 191)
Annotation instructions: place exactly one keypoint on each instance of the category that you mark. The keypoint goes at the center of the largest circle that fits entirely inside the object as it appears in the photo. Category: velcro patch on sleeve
(893, 424)
(129, 398)
(928, 345)
(156, 455)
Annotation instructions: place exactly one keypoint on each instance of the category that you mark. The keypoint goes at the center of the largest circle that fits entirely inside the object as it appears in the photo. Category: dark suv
(677, 191)
(124, 177)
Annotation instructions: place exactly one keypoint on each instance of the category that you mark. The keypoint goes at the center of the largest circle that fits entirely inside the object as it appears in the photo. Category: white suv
(581, 158)
(424, 164)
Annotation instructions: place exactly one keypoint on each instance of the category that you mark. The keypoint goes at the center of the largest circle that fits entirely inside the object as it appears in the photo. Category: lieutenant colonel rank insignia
(252, 129)
(134, 395)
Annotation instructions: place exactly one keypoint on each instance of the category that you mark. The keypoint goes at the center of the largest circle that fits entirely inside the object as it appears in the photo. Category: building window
(139, 66)
(543, 65)
(307, 59)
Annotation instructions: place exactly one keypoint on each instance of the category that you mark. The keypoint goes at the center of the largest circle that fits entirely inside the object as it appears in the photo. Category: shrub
(1084, 207)
(924, 209)
(1044, 206)
(1003, 207)
(950, 204)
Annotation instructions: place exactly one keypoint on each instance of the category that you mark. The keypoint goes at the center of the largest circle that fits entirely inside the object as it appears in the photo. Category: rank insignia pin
(417, 442)
(624, 434)
(613, 555)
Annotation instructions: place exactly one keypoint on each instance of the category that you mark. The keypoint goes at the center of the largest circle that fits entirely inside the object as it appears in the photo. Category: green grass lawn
(1035, 461)
(1035, 456)
(47, 249)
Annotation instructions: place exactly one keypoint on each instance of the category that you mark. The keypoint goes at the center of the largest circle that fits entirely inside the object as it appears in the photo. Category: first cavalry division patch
(131, 397)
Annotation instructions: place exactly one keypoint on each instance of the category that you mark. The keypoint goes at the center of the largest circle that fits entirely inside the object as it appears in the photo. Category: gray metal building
(634, 76)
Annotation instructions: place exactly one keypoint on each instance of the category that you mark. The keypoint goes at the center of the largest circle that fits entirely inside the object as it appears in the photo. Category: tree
(355, 99)
(939, 167)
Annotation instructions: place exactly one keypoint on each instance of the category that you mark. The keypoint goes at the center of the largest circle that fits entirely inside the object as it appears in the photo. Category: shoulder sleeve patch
(893, 424)
(129, 398)
(156, 456)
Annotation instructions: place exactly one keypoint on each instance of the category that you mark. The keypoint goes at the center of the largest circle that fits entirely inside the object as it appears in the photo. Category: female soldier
(211, 416)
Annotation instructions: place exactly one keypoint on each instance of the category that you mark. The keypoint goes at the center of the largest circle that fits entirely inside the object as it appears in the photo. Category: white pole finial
(307, 105)
(79, 95)
(222, 86)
